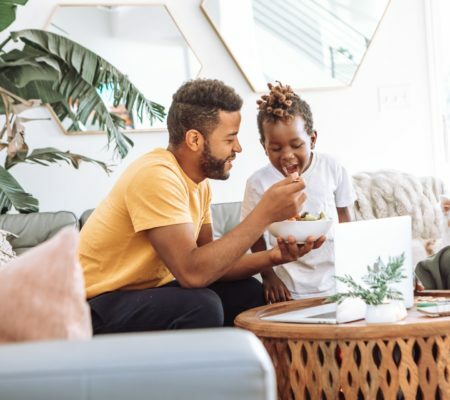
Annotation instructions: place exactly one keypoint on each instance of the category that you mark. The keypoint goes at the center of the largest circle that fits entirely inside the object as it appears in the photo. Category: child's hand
(274, 289)
(418, 286)
(289, 250)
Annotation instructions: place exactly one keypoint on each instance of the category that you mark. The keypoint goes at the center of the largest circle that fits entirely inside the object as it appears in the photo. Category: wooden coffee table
(409, 359)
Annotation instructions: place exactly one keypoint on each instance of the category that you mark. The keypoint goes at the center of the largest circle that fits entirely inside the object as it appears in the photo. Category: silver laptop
(357, 245)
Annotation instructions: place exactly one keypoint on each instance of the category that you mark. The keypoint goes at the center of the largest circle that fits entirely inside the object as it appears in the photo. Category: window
(437, 13)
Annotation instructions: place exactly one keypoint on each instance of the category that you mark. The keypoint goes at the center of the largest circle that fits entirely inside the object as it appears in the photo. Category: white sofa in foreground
(209, 364)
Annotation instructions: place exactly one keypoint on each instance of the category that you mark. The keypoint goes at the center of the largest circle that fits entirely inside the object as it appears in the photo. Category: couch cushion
(225, 217)
(42, 293)
(35, 228)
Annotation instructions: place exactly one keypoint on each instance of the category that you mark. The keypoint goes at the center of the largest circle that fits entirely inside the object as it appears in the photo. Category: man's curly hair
(282, 104)
(196, 105)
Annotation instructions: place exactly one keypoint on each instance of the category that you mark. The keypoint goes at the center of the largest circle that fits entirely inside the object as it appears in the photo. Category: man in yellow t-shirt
(147, 251)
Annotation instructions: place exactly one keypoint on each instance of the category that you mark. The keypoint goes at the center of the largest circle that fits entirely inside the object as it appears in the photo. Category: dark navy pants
(174, 307)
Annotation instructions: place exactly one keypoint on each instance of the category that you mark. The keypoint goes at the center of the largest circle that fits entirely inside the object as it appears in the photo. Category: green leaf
(63, 110)
(9, 60)
(8, 12)
(42, 90)
(7, 16)
(81, 74)
(24, 74)
(379, 279)
(27, 52)
(49, 155)
(12, 194)
(90, 103)
(19, 2)
(93, 69)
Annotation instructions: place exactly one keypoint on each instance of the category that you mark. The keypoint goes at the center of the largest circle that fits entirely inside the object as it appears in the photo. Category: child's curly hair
(282, 104)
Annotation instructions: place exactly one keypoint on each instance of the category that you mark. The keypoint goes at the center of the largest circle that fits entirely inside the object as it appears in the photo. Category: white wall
(350, 121)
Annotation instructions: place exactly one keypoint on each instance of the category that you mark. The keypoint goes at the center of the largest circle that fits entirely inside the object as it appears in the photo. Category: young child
(286, 131)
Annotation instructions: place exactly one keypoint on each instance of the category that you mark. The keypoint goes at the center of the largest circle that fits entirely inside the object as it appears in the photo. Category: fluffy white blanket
(390, 193)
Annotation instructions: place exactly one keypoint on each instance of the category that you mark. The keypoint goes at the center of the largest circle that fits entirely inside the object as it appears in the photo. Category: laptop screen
(359, 244)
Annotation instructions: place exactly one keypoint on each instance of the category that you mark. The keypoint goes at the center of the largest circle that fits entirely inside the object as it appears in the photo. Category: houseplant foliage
(8, 12)
(43, 68)
(379, 279)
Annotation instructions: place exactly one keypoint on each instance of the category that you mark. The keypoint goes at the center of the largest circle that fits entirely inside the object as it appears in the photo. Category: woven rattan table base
(370, 369)
(405, 360)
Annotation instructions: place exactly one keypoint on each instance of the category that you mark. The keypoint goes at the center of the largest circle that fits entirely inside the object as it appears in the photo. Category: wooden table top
(415, 324)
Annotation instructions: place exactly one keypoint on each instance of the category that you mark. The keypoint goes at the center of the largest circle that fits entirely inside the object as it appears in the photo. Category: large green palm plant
(45, 68)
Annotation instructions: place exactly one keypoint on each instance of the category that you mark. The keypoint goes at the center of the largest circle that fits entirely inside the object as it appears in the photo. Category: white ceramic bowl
(300, 229)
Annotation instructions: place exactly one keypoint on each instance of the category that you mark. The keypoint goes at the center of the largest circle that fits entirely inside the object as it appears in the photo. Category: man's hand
(274, 289)
(282, 200)
(289, 250)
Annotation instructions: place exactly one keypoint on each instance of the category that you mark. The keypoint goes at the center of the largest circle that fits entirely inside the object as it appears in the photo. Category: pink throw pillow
(42, 295)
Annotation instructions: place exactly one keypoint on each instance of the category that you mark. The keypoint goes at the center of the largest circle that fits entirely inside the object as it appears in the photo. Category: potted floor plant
(42, 68)
(384, 303)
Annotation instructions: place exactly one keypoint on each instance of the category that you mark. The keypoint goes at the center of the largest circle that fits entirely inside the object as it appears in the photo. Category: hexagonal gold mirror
(142, 41)
(305, 43)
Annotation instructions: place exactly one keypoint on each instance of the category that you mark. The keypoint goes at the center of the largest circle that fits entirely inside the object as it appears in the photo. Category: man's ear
(194, 140)
(313, 139)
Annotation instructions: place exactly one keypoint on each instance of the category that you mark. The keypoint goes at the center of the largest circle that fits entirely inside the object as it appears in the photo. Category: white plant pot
(392, 311)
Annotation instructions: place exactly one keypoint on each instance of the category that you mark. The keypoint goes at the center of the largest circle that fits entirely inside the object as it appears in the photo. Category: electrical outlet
(393, 97)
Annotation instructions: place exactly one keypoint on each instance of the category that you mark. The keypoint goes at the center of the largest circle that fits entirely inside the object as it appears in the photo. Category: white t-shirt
(328, 185)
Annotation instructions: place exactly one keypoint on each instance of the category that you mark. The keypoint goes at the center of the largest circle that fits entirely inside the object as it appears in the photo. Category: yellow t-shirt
(154, 191)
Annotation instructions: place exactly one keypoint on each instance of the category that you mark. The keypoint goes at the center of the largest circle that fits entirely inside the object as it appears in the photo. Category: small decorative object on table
(384, 303)
(437, 308)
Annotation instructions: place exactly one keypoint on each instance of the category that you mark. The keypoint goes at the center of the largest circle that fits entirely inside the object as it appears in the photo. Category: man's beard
(212, 167)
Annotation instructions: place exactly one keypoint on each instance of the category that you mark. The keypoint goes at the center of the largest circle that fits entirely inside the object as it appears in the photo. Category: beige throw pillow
(42, 294)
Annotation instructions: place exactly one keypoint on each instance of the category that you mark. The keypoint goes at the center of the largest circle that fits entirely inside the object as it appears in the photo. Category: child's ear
(313, 139)
(263, 145)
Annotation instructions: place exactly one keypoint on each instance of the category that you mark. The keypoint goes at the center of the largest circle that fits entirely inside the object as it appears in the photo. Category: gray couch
(202, 364)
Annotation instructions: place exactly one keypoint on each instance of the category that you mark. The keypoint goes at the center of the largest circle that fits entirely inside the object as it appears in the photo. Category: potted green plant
(40, 68)
(384, 303)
